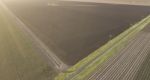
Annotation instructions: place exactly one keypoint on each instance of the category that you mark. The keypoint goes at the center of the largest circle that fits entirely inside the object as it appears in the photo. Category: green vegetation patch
(85, 67)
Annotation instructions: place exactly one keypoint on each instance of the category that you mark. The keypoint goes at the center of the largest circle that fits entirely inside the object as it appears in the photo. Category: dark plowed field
(74, 30)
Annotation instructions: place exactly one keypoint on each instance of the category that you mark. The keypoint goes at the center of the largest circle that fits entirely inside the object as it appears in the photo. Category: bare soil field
(19, 60)
(144, 71)
(73, 30)
(131, 63)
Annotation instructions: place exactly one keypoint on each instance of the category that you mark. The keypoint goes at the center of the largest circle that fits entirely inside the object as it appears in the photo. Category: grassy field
(19, 60)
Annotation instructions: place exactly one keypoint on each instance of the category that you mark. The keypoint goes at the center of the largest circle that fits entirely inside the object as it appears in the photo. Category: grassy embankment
(85, 67)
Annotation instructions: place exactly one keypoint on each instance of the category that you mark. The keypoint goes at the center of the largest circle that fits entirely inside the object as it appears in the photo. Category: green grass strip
(110, 48)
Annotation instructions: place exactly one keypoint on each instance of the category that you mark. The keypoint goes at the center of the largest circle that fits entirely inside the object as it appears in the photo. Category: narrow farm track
(127, 64)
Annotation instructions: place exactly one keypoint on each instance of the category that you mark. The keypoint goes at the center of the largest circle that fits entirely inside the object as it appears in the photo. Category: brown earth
(72, 31)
